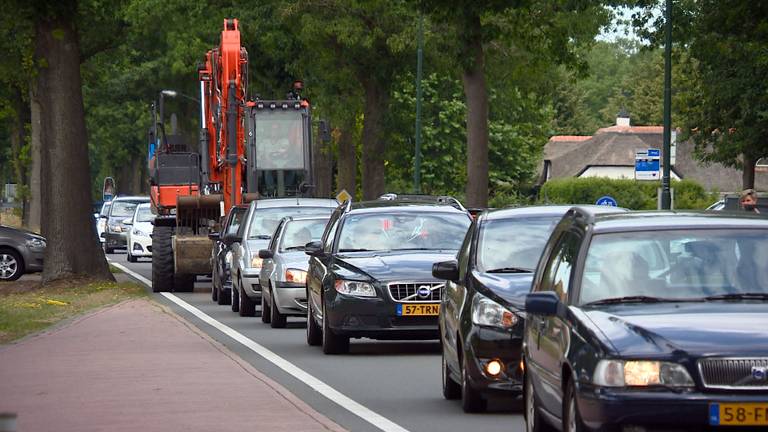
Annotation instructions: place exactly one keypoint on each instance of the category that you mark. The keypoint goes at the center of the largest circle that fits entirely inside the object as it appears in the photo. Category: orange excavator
(261, 146)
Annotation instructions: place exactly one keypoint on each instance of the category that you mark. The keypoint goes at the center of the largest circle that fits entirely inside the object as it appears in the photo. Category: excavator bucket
(194, 216)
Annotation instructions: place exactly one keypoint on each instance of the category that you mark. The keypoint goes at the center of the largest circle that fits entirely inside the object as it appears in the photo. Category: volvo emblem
(759, 373)
(424, 291)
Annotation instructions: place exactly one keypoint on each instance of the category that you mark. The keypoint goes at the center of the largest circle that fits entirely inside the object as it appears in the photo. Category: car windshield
(105, 208)
(513, 245)
(265, 220)
(403, 231)
(144, 214)
(702, 264)
(123, 208)
(237, 219)
(298, 233)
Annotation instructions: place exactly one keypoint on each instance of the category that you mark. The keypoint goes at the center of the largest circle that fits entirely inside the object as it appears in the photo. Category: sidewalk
(138, 367)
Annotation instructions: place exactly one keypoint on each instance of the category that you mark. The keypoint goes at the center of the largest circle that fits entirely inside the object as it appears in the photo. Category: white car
(139, 241)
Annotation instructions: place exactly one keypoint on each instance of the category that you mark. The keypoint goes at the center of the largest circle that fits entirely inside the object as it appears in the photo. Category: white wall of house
(615, 172)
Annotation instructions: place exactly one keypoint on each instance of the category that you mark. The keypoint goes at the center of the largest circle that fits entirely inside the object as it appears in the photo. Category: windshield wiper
(261, 237)
(739, 296)
(356, 250)
(413, 249)
(510, 270)
(295, 248)
(632, 299)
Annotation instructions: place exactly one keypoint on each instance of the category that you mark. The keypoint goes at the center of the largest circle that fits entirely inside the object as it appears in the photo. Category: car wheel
(571, 418)
(247, 306)
(225, 296)
(471, 400)
(129, 257)
(333, 343)
(162, 259)
(108, 250)
(235, 298)
(11, 265)
(266, 312)
(451, 389)
(533, 420)
(278, 320)
(314, 333)
(214, 291)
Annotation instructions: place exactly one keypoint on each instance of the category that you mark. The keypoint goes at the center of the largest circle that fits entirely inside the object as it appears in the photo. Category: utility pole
(419, 61)
(666, 196)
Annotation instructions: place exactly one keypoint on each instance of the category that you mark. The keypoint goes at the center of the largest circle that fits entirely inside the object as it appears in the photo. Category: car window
(105, 208)
(298, 233)
(144, 214)
(123, 208)
(403, 231)
(679, 264)
(514, 243)
(330, 234)
(265, 220)
(464, 253)
(235, 221)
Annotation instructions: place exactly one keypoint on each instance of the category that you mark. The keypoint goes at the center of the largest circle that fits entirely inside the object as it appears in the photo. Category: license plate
(418, 309)
(738, 414)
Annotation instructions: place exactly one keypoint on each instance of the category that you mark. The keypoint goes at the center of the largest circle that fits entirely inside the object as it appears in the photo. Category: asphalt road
(398, 380)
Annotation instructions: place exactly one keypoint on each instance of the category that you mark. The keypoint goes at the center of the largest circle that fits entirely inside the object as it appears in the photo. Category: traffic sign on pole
(606, 201)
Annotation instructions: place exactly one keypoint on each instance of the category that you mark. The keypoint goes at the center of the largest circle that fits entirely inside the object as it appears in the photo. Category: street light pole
(666, 196)
(419, 61)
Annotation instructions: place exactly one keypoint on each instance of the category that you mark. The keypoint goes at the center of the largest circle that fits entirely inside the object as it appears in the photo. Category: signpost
(343, 196)
(648, 164)
(606, 200)
(108, 191)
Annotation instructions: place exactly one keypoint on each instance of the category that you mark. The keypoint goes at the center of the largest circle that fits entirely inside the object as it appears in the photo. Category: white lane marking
(324, 389)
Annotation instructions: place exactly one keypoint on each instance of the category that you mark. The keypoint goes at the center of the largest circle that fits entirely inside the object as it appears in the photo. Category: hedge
(631, 194)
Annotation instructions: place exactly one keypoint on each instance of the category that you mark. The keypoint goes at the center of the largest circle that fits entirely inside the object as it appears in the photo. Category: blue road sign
(607, 201)
(647, 165)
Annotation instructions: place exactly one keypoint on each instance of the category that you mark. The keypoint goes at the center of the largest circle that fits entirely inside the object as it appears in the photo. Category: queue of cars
(599, 318)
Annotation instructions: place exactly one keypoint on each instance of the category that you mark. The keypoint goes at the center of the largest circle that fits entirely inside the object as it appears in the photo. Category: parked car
(20, 252)
(481, 315)
(284, 269)
(649, 321)
(371, 273)
(221, 254)
(138, 233)
(260, 222)
(101, 221)
(115, 234)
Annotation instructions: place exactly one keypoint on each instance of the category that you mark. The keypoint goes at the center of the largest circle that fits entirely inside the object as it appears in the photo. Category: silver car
(284, 269)
(259, 225)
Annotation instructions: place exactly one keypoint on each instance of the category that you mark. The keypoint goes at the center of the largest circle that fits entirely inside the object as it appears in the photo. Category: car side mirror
(230, 238)
(103, 217)
(127, 221)
(314, 249)
(266, 254)
(543, 303)
(446, 270)
(215, 235)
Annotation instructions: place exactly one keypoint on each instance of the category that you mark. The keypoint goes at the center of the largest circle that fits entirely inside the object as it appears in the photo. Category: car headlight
(487, 312)
(355, 288)
(139, 233)
(256, 261)
(641, 373)
(228, 258)
(296, 276)
(116, 228)
(35, 243)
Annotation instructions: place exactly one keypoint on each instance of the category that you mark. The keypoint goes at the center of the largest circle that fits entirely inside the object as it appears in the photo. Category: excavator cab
(279, 148)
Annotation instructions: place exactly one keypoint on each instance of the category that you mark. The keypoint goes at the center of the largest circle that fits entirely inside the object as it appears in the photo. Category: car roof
(657, 220)
(538, 210)
(306, 217)
(131, 198)
(294, 202)
(401, 205)
(144, 205)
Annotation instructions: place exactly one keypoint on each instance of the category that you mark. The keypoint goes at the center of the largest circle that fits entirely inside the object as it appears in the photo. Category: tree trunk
(748, 172)
(73, 248)
(346, 177)
(376, 98)
(18, 138)
(35, 157)
(476, 93)
(322, 170)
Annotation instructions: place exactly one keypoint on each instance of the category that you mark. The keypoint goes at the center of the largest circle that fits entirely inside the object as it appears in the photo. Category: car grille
(407, 292)
(734, 373)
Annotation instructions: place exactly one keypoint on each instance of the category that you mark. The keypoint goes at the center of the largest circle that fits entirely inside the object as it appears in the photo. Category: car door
(318, 265)
(548, 338)
(237, 246)
(268, 265)
(453, 300)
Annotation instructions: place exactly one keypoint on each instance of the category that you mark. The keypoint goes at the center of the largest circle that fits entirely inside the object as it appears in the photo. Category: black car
(481, 318)
(221, 255)
(371, 274)
(649, 320)
(21, 252)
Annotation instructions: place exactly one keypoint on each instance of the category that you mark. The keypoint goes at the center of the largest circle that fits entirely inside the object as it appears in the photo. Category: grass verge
(29, 309)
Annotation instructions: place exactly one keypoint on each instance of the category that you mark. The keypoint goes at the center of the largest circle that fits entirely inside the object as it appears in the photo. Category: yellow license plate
(738, 414)
(418, 309)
